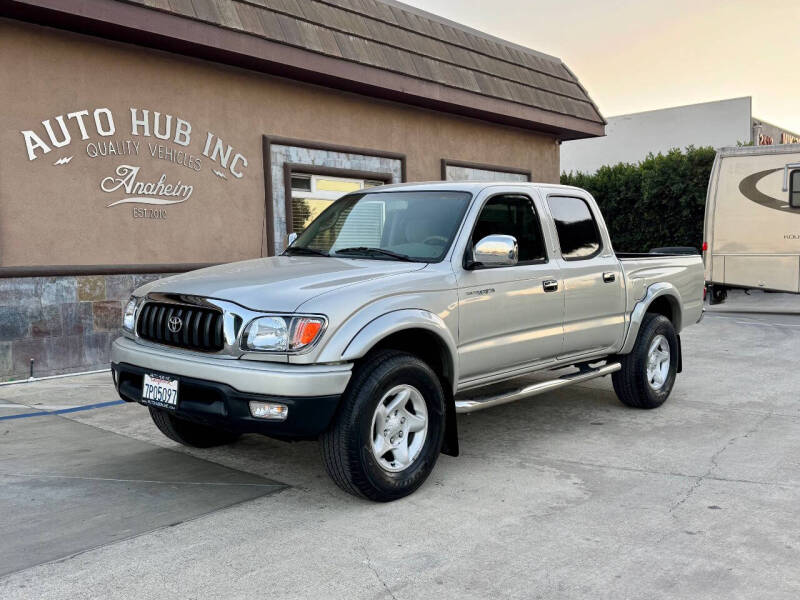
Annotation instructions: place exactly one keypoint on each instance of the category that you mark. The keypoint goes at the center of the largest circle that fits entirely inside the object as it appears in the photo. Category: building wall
(630, 138)
(56, 73)
(81, 202)
(767, 134)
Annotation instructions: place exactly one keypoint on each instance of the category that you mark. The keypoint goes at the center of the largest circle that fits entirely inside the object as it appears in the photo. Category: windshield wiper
(304, 250)
(367, 250)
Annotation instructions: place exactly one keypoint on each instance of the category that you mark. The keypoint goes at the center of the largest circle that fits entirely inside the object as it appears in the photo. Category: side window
(577, 230)
(794, 189)
(513, 215)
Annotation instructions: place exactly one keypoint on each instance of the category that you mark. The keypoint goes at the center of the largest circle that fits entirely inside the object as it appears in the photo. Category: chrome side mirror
(496, 251)
(292, 238)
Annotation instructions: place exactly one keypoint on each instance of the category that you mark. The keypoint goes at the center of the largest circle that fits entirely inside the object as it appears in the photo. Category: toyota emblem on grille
(175, 324)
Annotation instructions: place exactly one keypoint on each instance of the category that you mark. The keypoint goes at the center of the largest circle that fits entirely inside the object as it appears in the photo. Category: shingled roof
(378, 47)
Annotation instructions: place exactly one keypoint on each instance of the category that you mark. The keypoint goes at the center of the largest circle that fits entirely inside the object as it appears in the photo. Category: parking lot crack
(714, 463)
(372, 568)
(676, 474)
(688, 494)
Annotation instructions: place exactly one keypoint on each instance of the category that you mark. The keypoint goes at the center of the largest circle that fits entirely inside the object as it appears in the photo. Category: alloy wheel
(399, 428)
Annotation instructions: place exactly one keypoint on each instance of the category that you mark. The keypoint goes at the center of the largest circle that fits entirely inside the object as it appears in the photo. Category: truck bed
(682, 271)
(625, 255)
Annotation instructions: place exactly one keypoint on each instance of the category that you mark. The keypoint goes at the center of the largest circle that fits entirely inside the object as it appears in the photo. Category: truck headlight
(282, 334)
(129, 316)
(267, 333)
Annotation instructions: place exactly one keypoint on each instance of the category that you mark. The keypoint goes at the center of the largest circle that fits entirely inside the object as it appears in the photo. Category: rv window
(794, 189)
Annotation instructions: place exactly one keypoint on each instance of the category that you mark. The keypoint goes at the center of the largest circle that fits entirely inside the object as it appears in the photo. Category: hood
(279, 283)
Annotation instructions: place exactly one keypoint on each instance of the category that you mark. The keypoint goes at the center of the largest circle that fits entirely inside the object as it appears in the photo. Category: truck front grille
(193, 327)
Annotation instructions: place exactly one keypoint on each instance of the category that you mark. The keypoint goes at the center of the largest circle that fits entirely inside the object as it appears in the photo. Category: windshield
(418, 226)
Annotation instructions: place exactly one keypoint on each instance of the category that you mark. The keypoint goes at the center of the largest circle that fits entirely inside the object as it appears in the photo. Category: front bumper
(217, 391)
(251, 376)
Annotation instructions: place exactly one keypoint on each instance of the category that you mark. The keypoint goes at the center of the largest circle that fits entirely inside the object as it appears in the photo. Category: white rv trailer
(752, 221)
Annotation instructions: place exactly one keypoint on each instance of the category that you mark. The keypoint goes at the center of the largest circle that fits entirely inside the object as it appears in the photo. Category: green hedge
(658, 202)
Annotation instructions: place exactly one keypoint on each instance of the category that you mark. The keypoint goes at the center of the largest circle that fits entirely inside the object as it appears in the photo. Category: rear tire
(648, 372)
(388, 433)
(189, 433)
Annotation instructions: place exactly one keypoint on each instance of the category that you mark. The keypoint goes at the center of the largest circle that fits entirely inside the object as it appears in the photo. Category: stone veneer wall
(455, 173)
(65, 324)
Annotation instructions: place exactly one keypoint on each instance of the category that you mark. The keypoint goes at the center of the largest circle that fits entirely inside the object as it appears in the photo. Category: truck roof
(463, 186)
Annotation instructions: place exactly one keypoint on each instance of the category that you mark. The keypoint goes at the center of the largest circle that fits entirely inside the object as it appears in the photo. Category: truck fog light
(269, 411)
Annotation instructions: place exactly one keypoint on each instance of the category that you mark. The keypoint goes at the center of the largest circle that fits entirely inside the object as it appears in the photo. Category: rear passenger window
(515, 216)
(794, 189)
(577, 230)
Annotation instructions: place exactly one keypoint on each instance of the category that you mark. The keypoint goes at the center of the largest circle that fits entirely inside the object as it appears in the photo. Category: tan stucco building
(154, 136)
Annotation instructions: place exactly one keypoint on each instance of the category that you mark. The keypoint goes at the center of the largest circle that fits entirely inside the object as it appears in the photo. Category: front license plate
(160, 390)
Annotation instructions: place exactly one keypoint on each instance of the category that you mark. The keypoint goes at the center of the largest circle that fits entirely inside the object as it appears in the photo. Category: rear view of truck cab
(396, 309)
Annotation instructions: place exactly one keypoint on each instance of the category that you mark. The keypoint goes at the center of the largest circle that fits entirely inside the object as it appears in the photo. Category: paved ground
(86, 487)
(565, 495)
(756, 301)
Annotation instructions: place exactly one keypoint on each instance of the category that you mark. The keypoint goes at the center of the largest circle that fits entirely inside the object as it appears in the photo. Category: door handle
(609, 277)
(550, 285)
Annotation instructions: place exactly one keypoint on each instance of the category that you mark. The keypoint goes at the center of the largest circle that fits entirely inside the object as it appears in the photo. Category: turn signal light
(305, 331)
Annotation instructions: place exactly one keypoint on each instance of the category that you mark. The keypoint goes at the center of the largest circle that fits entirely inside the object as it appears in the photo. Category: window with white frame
(311, 194)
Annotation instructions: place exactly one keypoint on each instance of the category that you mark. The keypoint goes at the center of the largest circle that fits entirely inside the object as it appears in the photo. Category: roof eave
(131, 23)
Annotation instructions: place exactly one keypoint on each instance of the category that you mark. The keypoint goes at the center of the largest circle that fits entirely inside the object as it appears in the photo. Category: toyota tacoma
(397, 308)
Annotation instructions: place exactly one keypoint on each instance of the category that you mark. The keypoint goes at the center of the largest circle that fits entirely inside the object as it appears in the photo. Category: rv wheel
(718, 294)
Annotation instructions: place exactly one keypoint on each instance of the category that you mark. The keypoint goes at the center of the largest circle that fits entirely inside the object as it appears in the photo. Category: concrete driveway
(565, 495)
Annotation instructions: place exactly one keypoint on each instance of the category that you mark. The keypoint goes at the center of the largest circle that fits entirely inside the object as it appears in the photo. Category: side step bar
(473, 404)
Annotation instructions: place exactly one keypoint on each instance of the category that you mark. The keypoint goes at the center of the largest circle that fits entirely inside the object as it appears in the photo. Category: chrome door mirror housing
(291, 238)
(496, 251)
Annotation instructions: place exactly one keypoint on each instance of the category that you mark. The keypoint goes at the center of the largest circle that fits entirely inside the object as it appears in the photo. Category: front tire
(189, 433)
(388, 434)
(648, 372)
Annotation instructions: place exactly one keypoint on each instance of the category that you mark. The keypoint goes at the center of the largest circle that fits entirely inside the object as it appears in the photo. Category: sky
(636, 55)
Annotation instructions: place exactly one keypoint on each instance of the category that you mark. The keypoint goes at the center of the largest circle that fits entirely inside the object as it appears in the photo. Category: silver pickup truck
(396, 309)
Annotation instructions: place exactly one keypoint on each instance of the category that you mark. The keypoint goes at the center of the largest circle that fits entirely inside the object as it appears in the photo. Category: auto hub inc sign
(135, 146)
